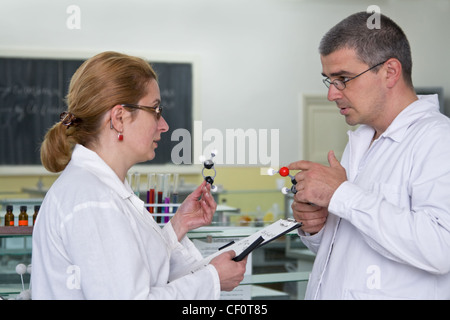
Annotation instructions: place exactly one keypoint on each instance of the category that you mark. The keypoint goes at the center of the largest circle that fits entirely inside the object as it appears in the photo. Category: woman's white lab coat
(388, 232)
(94, 239)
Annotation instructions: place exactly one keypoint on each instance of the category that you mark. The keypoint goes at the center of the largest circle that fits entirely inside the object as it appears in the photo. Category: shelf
(16, 231)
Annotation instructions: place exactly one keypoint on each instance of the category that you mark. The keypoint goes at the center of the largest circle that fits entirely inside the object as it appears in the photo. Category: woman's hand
(197, 210)
(231, 273)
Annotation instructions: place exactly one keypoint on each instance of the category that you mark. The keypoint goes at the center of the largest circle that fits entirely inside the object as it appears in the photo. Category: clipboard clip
(224, 246)
(287, 222)
(249, 249)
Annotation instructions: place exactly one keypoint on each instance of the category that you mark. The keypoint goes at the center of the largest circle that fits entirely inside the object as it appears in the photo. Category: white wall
(255, 57)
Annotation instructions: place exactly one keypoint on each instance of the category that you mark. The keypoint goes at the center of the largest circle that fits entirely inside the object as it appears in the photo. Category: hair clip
(67, 118)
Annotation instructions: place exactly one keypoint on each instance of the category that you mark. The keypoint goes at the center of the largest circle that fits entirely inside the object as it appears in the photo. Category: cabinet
(15, 248)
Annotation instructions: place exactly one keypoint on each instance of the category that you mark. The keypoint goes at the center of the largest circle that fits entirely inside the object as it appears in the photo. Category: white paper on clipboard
(268, 234)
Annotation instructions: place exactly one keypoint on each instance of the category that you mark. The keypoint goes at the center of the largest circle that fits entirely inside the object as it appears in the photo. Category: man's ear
(394, 72)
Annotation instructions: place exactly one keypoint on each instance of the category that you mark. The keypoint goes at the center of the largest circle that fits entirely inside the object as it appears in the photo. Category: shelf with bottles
(17, 219)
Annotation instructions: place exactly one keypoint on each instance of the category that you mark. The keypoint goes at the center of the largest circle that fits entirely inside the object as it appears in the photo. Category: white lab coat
(388, 232)
(94, 239)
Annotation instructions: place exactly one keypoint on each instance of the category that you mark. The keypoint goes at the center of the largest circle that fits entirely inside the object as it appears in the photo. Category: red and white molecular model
(284, 172)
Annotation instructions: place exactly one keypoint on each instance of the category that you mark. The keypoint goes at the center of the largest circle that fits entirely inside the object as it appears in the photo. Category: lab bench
(279, 270)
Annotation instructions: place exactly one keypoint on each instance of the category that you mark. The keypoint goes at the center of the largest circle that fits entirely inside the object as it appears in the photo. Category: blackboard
(32, 93)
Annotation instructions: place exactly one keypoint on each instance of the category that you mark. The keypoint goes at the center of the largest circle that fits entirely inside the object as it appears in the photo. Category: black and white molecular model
(208, 164)
(284, 172)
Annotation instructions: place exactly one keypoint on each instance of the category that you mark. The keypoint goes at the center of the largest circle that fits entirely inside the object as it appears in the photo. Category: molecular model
(21, 269)
(284, 172)
(209, 165)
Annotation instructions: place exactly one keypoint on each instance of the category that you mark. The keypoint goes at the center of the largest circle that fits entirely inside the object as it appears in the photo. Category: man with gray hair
(379, 221)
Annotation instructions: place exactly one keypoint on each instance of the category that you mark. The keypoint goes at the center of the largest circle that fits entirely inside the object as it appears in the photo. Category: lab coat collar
(397, 129)
(425, 104)
(361, 138)
(91, 161)
(359, 142)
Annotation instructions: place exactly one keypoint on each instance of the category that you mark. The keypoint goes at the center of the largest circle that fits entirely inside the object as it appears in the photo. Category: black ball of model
(209, 165)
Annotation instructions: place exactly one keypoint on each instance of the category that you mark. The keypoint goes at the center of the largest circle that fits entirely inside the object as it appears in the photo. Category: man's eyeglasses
(157, 109)
(341, 84)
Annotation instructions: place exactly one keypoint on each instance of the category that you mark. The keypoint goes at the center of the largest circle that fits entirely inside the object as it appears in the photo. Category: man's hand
(316, 185)
(312, 217)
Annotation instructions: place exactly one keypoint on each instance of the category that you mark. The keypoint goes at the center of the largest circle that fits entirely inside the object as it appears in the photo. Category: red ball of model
(284, 172)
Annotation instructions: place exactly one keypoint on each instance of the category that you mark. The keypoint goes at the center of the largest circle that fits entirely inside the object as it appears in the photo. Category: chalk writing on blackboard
(32, 95)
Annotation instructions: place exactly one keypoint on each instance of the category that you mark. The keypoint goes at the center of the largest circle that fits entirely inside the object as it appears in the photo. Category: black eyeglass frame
(342, 83)
(157, 109)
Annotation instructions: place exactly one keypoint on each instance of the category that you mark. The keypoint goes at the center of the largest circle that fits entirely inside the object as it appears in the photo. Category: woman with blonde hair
(93, 238)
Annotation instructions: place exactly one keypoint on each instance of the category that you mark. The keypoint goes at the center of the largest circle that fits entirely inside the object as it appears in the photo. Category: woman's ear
(116, 120)
(394, 72)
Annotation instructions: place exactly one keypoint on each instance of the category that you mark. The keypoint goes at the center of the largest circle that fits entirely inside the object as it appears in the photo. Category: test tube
(160, 187)
(151, 184)
(176, 178)
(130, 178)
(166, 195)
(136, 183)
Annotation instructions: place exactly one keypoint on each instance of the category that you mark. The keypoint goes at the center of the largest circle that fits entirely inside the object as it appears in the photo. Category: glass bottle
(9, 216)
(23, 216)
(36, 211)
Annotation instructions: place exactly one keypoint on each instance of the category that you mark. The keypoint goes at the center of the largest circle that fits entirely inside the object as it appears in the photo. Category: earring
(119, 134)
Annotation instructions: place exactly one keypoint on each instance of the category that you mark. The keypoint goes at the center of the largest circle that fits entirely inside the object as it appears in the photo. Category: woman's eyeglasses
(157, 109)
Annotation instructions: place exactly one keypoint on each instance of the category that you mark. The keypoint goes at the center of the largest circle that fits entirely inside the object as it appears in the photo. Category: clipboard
(262, 237)
(245, 246)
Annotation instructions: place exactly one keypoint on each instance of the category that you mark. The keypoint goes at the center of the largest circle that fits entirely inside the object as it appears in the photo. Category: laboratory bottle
(9, 216)
(23, 216)
(36, 211)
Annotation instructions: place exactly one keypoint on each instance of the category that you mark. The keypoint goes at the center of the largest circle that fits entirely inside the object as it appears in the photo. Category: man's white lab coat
(94, 239)
(387, 235)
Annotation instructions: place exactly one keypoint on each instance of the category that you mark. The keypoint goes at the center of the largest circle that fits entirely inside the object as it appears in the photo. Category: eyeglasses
(157, 109)
(341, 84)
